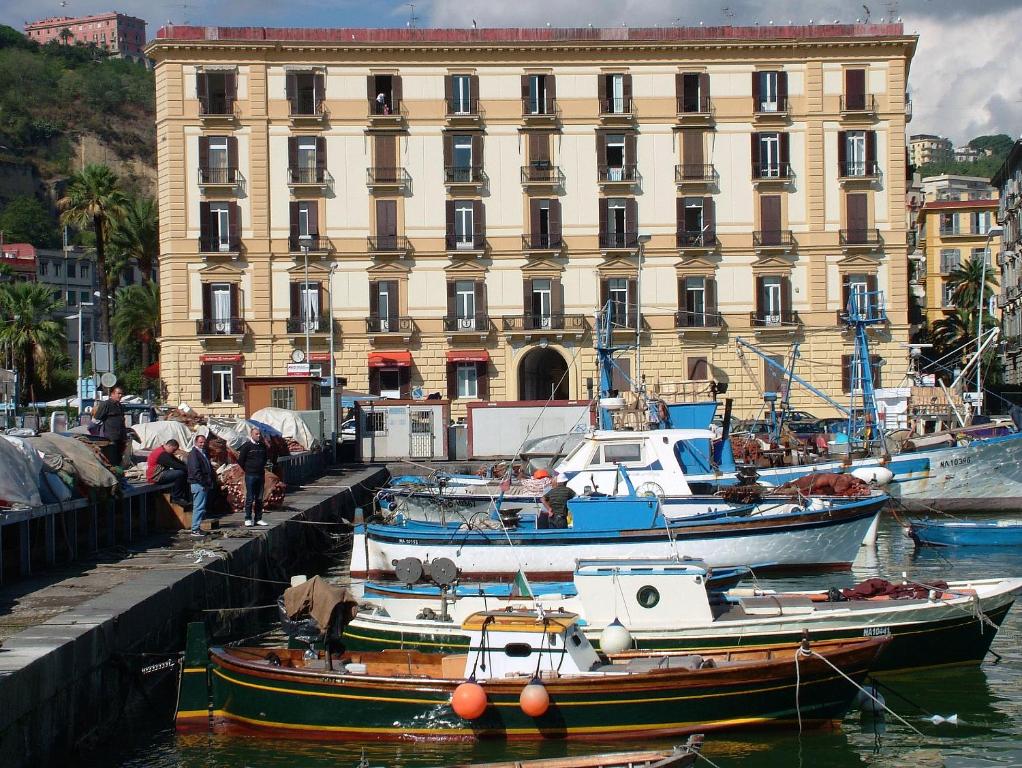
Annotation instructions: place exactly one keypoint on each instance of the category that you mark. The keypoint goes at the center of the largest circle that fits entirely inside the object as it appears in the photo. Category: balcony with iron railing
(695, 111)
(774, 320)
(461, 176)
(689, 320)
(466, 244)
(388, 245)
(308, 178)
(307, 110)
(478, 323)
(771, 172)
(315, 245)
(696, 239)
(624, 175)
(533, 322)
(222, 178)
(861, 105)
(220, 245)
(541, 174)
(541, 111)
(860, 239)
(388, 179)
(317, 325)
(463, 111)
(773, 240)
(542, 242)
(403, 326)
(858, 170)
(388, 115)
(218, 110)
(227, 326)
(619, 241)
(696, 175)
(768, 111)
(617, 109)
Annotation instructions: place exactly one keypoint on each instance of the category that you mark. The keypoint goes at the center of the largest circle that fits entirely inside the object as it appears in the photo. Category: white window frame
(306, 152)
(616, 172)
(308, 304)
(770, 155)
(220, 307)
(769, 82)
(946, 294)
(220, 218)
(946, 256)
(613, 205)
(855, 153)
(694, 204)
(858, 288)
(465, 304)
(461, 94)
(543, 287)
(616, 93)
(772, 300)
(464, 224)
(393, 374)
(222, 384)
(537, 94)
(303, 219)
(383, 299)
(696, 288)
(467, 379)
(617, 297)
(218, 155)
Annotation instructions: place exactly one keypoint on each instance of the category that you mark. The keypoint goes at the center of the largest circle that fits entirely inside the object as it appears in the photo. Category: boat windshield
(694, 456)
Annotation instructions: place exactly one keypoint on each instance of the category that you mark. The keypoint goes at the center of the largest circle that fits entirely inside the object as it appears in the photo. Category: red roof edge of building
(21, 251)
(525, 34)
(936, 204)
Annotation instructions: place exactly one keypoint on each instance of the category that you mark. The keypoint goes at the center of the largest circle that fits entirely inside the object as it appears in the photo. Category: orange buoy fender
(534, 699)
(469, 700)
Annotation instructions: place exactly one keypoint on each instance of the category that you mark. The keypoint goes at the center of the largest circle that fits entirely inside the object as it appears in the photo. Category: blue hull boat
(956, 533)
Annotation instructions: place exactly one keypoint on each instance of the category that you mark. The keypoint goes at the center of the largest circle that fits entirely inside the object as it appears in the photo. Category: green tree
(136, 235)
(27, 325)
(965, 285)
(26, 220)
(94, 200)
(137, 318)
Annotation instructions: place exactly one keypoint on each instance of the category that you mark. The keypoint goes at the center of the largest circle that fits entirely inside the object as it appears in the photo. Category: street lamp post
(991, 233)
(306, 241)
(81, 353)
(643, 239)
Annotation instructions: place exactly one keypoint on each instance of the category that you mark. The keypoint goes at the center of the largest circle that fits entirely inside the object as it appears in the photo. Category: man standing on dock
(252, 459)
(555, 504)
(110, 413)
(200, 477)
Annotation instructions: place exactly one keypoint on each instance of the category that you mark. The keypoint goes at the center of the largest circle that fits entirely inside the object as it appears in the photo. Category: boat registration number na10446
(876, 631)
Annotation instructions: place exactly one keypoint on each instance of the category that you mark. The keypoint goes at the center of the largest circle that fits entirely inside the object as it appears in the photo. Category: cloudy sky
(964, 81)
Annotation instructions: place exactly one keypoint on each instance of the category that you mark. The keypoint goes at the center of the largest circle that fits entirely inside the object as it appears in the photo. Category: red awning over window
(399, 359)
(468, 356)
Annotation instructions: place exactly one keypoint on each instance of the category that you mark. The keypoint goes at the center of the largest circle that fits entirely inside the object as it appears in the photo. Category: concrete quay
(78, 641)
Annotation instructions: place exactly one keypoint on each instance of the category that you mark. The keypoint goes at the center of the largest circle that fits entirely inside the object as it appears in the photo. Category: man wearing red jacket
(163, 466)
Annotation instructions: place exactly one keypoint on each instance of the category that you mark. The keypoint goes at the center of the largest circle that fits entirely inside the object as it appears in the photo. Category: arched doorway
(542, 375)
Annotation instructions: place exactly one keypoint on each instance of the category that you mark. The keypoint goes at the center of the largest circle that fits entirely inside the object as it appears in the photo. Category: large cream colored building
(467, 199)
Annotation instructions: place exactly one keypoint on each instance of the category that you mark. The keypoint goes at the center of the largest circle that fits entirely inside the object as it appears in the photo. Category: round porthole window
(648, 596)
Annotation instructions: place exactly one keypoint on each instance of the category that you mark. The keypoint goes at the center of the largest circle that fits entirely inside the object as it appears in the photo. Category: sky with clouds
(964, 80)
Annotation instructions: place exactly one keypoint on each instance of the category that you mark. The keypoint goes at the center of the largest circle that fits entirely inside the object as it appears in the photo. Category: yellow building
(925, 149)
(459, 203)
(952, 233)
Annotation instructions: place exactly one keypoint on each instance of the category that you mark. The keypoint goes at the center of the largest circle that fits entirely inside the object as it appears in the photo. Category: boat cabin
(507, 643)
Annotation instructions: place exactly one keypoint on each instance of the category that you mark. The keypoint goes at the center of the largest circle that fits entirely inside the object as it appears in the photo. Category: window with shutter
(698, 369)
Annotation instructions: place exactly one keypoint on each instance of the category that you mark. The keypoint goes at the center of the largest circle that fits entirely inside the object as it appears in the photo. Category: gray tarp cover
(78, 458)
(19, 477)
(318, 598)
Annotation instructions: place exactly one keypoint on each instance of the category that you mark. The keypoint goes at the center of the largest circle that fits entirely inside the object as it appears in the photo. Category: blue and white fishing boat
(965, 533)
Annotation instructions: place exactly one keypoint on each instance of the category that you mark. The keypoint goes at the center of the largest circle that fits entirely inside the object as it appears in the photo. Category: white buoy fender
(615, 638)
(877, 476)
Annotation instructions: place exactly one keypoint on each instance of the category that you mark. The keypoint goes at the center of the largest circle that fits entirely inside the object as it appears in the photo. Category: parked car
(348, 431)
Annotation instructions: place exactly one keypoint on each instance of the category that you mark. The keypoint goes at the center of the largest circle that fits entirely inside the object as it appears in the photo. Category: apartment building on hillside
(1008, 181)
(457, 204)
(118, 33)
(925, 148)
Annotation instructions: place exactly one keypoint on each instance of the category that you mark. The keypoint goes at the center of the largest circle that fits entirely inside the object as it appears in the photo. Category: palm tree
(37, 340)
(137, 319)
(94, 199)
(136, 235)
(66, 35)
(964, 282)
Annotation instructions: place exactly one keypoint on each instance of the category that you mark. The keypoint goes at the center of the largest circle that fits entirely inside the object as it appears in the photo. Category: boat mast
(865, 309)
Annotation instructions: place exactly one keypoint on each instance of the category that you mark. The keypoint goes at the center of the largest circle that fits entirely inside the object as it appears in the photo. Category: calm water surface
(987, 700)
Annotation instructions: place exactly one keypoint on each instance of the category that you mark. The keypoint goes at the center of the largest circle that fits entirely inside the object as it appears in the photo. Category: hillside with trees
(986, 166)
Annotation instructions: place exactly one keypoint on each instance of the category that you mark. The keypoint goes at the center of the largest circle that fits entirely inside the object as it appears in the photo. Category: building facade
(926, 148)
(951, 233)
(20, 260)
(72, 276)
(118, 33)
(949, 186)
(1008, 181)
(457, 204)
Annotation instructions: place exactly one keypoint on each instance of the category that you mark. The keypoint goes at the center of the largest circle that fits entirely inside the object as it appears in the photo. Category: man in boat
(555, 504)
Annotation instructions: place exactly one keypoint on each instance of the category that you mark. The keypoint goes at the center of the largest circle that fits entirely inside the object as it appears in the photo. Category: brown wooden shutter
(448, 93)
(534, 221)
(846, 293)
(626, 89)
(451, 308)
(207, 301)
(785, 298)
(539, 146)
(710, 296)
(478, 221)
(374, 299)
(452, 381)
(386, 219)
(871, 150)
(483, 381)
(314, 218)
(551, 91)
(871, 285)
(320, 156)
(204, 151)
(770, 215)
(601, 149)
(234, 216)
(232, 156)
(206, 382)
(857, 213)
(631, 215)
(374, 381)
(709, 219)
(296, 299)
(692, 148)
(755, 155)
(630, 153)
(527, 307)
(601, 90)
(371, 93)
(205, 222)
(556, 299)
(756, 99)
(704, 89)
(396, 94)
(477, 150)
(846, 373)
(874, 364)
(679, 90)
(237, 387)
(680, 216)
(604, 293)
(448, 150)
(782, 90)
(292, 152)
(785, 146)
(682, 298)
(319, 89)
(855, 88)
(231, 86)
(386, 151)
(633, 302)
(295, 231)
(525, 90)
(604, 214)
(405, 375)
(235, 301)
(842, 152)
(393, 305)
(202, 86)
(450, 221)
(555, 221)
(760, 296)
(291, 87)
(480, 290)
(473, 91)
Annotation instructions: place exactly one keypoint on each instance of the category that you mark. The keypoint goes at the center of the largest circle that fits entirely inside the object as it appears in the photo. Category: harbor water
(986, 699)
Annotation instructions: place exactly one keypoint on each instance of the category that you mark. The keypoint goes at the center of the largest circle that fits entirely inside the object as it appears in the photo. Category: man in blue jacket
(252, 459)
(201, 479)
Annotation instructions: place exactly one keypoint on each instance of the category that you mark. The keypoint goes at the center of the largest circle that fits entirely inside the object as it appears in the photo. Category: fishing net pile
(825, 484)
(232, 486)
